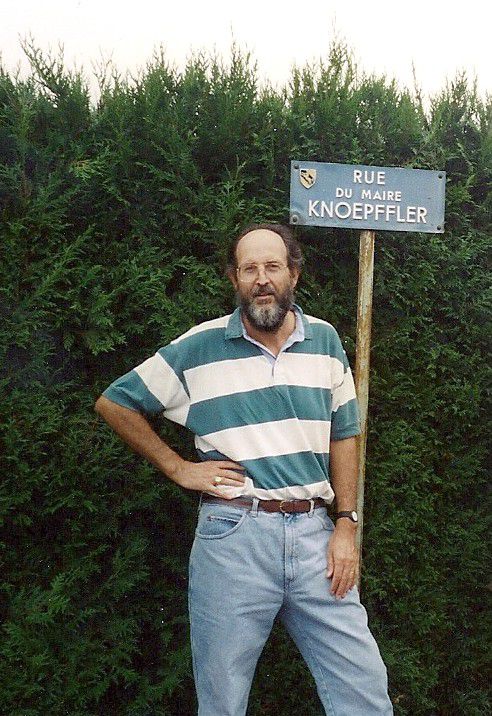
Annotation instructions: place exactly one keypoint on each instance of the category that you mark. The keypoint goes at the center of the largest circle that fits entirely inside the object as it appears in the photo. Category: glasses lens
(250, 272)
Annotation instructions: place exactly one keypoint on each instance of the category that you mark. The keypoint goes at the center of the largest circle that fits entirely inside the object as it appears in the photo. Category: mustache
(263, 291)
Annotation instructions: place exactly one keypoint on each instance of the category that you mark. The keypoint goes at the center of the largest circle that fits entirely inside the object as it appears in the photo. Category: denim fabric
(246, 568)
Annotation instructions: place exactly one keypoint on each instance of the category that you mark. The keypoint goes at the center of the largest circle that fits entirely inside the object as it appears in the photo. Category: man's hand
(343, 558)
(209, 476)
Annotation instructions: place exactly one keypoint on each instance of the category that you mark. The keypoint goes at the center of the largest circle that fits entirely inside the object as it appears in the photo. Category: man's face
(263, 282)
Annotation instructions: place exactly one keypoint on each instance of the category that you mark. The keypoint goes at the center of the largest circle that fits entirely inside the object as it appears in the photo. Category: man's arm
(134, 429)
(343, 555)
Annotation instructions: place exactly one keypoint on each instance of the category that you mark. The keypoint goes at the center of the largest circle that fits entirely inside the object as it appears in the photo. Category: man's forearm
(134, 429)
(344, 472)
(342, 553)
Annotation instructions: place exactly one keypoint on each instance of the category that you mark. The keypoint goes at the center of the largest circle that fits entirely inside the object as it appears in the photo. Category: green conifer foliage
(115, 217)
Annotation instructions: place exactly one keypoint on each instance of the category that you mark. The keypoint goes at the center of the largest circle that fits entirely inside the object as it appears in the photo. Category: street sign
(363, 197)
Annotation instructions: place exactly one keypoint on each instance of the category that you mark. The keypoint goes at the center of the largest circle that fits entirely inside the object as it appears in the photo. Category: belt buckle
(284, 512)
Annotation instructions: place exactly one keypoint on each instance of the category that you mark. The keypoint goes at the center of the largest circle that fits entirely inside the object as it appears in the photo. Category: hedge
(115, 217)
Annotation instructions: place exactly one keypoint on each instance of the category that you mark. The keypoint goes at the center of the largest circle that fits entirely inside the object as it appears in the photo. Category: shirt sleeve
(151, 388)
(345, 421)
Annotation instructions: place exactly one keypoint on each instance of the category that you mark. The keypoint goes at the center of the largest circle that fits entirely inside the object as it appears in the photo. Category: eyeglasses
(250, 272)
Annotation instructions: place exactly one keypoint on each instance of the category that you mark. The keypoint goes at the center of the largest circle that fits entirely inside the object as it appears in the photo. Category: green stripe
(345, 421)
(270, 473)
(274, 403)
(301, 468)
(131, 392)
(206, 347)
(211, 345)
(325, 341)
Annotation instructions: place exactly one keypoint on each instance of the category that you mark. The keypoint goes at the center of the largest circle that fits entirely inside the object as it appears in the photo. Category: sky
(438, 39)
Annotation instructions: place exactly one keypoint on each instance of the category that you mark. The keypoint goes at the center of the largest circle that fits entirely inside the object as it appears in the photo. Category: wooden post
(362, 358)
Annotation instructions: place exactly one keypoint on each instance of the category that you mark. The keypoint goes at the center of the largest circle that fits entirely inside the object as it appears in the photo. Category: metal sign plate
(361, 197)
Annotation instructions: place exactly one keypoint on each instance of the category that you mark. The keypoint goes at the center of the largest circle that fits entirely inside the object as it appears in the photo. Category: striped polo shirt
(275, 418)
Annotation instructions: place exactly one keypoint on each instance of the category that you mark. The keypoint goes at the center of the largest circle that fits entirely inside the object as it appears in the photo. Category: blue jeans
(248, 567)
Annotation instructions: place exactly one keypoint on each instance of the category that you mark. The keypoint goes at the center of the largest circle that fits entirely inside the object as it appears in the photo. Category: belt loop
(254, 509)
(200, 501)
(311, 509)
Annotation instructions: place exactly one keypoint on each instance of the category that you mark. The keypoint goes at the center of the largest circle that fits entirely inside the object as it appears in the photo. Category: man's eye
(250, 269)
(273, 267)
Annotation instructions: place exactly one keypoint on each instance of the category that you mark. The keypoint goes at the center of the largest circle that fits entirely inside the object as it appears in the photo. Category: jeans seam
(190, 587)
(295, 570)
(315, 662)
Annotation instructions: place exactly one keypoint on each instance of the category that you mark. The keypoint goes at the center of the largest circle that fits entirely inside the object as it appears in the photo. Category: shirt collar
(235, 325)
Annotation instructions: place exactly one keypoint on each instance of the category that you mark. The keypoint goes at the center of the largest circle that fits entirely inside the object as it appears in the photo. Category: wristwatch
(351, 514)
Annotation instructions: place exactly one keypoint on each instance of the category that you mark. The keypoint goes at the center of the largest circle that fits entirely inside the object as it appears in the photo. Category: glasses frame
(281, 267)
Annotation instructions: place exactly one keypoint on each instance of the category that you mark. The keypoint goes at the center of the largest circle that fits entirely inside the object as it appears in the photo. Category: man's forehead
(260, 243)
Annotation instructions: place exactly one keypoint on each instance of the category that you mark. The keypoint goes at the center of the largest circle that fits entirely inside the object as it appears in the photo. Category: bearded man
(269, 395)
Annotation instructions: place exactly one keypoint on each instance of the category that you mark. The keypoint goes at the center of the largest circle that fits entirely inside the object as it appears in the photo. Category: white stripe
(280, 437)
(292, 492)
(227, 377)
(206, 326)
(239, 375)
(314, 319)
(309, 370)
(164, 384)
(344, 392)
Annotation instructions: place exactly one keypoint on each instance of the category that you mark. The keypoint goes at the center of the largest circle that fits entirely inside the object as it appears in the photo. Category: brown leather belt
(285, 506)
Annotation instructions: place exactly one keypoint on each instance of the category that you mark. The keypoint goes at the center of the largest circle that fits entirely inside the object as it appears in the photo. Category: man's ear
(231, 275)
(294, 275)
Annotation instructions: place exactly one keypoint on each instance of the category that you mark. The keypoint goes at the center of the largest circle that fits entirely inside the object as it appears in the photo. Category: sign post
(362, 362)
(366, 198)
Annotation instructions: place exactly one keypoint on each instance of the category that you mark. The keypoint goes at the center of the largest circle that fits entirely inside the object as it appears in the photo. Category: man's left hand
(343, 558)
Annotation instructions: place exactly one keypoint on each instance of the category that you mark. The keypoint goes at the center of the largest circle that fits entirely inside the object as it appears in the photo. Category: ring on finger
(217, 480)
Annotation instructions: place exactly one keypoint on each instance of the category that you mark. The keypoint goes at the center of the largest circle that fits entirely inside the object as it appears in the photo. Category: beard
(266, 318)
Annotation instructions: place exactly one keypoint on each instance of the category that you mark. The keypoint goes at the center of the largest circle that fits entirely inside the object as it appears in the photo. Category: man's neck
(273, 340)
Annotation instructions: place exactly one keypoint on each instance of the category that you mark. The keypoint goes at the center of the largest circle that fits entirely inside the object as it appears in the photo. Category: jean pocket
(216, 522)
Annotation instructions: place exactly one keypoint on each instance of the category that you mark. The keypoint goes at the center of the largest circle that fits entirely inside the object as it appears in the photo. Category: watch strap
(351, 514)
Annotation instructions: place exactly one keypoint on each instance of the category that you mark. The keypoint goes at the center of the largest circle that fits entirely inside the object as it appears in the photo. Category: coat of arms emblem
(307, 177)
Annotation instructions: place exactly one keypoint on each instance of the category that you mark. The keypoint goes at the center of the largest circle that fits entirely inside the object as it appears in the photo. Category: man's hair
(294, 253)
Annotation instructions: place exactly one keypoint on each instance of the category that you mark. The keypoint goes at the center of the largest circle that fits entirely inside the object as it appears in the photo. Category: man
(269, 394)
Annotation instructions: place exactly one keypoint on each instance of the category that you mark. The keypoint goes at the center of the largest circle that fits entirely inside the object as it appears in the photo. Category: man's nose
(262, 277)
